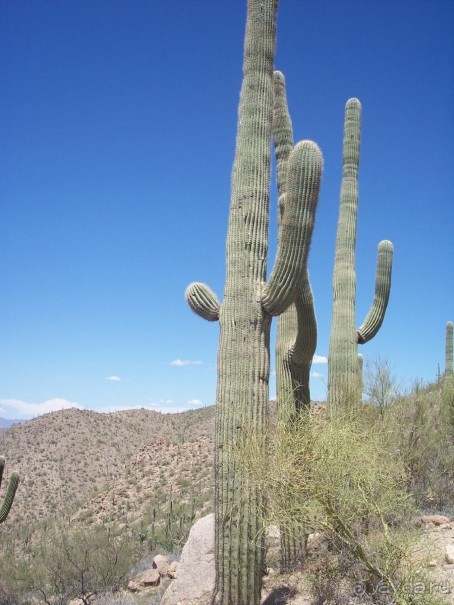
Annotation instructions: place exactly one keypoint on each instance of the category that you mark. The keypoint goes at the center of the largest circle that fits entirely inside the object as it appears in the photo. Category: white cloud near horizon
(194, 402)
(113, 378)
(15, 408)
(185, 362)
(319, 359)
(316, 375)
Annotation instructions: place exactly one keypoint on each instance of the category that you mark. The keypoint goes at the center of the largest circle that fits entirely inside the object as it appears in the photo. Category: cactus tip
(353, 103)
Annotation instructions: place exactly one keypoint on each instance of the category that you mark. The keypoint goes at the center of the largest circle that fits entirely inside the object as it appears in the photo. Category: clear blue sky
(118, 126)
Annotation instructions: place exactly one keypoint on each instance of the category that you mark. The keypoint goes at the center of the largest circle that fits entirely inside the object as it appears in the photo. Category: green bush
(342, 477)
(68, 563)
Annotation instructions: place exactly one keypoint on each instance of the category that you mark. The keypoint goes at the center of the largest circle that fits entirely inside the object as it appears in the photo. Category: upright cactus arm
(203, 301)
(304, 170)
(376, 314)
(10, 492)
(282, 135)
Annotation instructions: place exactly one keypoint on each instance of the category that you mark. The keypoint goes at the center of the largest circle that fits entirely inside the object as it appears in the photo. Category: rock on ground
(194, 582)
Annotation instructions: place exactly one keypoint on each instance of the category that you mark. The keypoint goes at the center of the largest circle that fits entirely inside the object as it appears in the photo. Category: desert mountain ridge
(71, 457)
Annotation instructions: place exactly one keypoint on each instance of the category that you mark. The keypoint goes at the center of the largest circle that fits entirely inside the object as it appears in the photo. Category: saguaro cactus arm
(203, 301)
(10, 492)
(376, 314)
(304, 169)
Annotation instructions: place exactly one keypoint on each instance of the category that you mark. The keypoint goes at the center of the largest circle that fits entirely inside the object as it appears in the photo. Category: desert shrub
(341, 477)
(76, 562)
(423, 436)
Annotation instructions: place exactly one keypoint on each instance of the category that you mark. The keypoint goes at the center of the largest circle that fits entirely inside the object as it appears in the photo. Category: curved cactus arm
(304, 170)
(305, 344)
(203, 301)
(376, 314)
(10, 492)
(306, 339)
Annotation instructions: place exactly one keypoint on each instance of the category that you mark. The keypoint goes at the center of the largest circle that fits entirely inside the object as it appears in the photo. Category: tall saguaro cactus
(343, 388)
(248, 306)
(10, 492)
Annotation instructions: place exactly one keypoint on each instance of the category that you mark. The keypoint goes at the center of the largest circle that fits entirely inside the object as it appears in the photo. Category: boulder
(434, 520)
(172, 571)
(146, 579)
(161, 563)
(194, 582)
(449, 554)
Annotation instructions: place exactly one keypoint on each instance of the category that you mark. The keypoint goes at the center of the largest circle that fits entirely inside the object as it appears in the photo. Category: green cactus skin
(343, 384)
(10, 492)
(297, 328)
(360, 362)
(449, 367)
(203, 301)
(249, 303)
(376, 314)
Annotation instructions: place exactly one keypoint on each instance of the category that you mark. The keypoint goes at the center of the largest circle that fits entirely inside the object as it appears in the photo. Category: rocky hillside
(161, 475)
(69, 457)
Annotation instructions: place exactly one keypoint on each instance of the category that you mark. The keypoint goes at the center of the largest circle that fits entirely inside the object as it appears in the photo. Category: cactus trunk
(344, 378)
(449, 364)
(342, 370)
(243, 356)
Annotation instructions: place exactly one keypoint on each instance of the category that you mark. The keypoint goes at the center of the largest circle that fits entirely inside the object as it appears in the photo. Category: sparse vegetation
(358, 480)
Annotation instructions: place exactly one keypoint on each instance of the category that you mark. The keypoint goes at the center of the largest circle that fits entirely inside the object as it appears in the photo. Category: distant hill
(5, 423)
(66, 458)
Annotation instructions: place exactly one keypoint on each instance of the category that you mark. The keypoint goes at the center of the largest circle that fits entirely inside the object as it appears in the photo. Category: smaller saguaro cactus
(10, 492)
(297, 326)
(345, 337)
(449, 369)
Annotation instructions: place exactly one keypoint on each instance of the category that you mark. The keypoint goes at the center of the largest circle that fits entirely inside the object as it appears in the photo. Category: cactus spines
(242, 393)
(449, 367)
(343, 366)
(10, 492)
